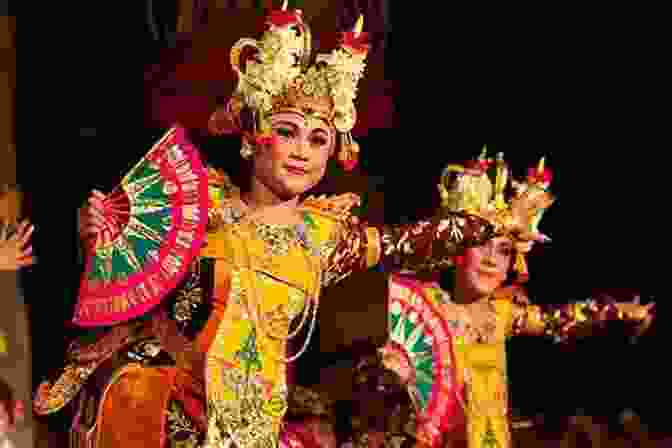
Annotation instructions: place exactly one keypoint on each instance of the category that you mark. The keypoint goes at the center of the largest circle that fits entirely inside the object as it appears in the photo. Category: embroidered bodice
(254, 286)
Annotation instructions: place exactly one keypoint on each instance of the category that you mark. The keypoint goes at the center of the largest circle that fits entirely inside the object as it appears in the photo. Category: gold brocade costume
(479, 351)
(245, 371)
(453, 356)
(462, 401)
(159, 382)
(480, 358)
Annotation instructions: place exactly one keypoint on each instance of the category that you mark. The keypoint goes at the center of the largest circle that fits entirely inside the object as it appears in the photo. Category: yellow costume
(265, 276)
(453, 356)
(213, 357)
(453, 360)
(223, 376)
(480, 362)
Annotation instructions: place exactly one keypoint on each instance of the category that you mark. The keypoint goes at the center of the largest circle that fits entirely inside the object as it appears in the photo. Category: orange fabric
(220, 295)
(133, 410)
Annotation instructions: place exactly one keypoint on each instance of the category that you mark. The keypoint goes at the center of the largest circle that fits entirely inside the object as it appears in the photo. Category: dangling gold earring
(246, 151)
(348, 155)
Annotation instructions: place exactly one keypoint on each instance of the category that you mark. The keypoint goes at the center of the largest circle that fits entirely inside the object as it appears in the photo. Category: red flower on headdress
(479, 165)
(534, 176)
(279, 17)
(357, 44)
(265, 140)
(485, 164)
(355, 40)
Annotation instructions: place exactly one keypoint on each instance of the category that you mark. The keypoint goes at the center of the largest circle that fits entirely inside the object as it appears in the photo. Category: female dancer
(449, 346)
(213, 356)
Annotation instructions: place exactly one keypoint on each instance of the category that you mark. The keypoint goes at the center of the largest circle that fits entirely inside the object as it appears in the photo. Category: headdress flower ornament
(277, 73)
(515, 208)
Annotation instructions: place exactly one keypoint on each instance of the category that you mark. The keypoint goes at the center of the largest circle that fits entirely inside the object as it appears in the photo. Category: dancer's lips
(295, 170)
(487, 273)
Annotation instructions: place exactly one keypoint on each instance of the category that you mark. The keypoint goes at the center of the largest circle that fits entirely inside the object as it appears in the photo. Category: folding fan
(155, 226)
(419, 349)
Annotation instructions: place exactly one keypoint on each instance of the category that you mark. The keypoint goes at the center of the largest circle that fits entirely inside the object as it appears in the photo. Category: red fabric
(192, 397)
(307, 434)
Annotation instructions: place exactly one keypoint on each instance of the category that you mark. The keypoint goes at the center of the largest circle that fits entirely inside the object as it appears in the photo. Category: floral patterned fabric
(453, 358)
(459, 369)
(227, 325)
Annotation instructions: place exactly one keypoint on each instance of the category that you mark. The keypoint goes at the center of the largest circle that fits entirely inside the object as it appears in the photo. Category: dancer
(449, 346)
(212, 355)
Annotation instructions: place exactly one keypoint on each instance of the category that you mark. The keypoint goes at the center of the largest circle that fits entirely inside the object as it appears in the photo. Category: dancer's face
(483, 269)
(297, 158)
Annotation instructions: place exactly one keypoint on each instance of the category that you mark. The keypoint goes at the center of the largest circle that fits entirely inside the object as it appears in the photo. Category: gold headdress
(484, 188)
(277, 73)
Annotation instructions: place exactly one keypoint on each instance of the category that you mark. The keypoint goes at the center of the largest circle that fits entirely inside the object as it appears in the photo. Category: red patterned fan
(155, 227)
(420, 350)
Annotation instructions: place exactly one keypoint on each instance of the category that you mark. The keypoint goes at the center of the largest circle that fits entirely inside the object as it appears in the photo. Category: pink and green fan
(419, 349)
(155, 227)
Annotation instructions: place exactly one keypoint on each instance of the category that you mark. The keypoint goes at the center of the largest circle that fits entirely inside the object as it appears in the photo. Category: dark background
(586, 111)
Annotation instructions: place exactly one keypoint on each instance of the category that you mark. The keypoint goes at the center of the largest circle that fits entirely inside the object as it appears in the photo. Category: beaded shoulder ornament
(279, 73)
(515, 207)
(337, 207)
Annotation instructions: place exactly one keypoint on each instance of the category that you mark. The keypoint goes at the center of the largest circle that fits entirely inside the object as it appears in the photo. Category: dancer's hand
(635, 312)
(91, 218)
(15, 250)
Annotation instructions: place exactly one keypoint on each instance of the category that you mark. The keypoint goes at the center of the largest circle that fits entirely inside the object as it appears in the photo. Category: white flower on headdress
(344, 122)
(342, 74)
(309, 88)
(345, 71)
(275, 67)
(327, 58)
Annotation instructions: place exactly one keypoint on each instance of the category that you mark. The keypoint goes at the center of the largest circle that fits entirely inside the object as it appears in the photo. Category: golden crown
(277, 73)
(484, 187)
